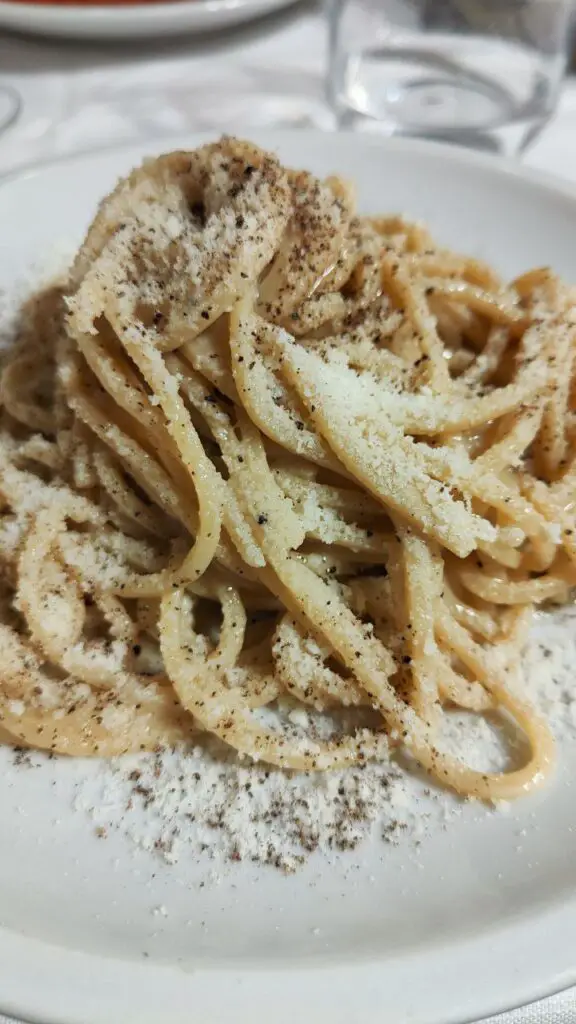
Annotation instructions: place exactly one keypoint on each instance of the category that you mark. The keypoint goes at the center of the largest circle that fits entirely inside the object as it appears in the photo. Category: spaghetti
(283, 473)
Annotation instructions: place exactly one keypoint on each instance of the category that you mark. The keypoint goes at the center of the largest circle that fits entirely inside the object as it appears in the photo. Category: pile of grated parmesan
(202, 803)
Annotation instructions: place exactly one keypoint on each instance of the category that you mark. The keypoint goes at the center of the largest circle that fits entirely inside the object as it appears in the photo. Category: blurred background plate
(132, 21)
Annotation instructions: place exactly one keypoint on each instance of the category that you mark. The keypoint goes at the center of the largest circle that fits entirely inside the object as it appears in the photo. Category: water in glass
(484, 73)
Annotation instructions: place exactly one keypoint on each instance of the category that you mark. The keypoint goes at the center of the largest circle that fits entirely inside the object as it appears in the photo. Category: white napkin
(77, 97)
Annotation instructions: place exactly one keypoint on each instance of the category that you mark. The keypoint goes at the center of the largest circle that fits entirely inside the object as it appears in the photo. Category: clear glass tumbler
(10, 105)
(483, 73)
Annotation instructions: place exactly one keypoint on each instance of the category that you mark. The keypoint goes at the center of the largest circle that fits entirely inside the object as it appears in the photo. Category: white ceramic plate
(480, 921)
(134, 21)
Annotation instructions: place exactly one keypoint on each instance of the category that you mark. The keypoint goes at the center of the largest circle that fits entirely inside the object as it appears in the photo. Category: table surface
(76, 97)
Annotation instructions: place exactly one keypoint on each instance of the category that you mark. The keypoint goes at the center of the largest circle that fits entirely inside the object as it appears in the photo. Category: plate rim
(327, 987)
(96, 12)
(137, 20)
(143, 148)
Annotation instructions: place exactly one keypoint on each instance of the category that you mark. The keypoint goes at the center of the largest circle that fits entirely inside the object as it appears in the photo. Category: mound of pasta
(280, 472)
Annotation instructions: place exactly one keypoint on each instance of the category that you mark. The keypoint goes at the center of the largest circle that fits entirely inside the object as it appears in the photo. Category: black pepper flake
(198, 211)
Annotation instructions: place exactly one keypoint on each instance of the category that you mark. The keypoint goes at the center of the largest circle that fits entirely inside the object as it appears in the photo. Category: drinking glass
(10, 104)
(483, 73)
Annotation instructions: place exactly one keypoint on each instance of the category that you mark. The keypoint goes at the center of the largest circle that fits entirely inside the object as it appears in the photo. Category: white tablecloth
(267, 73)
